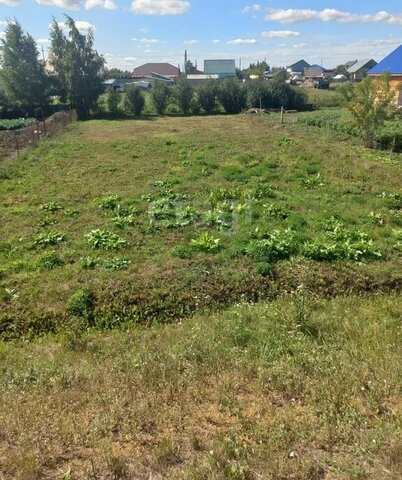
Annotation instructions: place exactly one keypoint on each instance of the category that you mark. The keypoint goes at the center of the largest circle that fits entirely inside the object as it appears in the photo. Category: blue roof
(391, 64)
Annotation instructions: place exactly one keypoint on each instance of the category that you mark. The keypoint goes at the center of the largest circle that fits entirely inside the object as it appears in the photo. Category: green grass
(300, 388)
(118, 205)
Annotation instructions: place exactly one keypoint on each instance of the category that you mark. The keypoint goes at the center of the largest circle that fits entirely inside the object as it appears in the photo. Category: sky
(129, 33)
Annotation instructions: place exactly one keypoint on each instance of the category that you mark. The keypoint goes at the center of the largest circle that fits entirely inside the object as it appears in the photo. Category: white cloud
(191, 42)
(43, 40)
(243, 41)
(331, 15)
(2, 34)
(160, 7)
(143, 30)
(252, 8)
(149, 41)
(300, 45)
(216, 41)
(280, 34)
(82, 26)
(67, 4)
(106, 4)
(10, 3)
(130, 59)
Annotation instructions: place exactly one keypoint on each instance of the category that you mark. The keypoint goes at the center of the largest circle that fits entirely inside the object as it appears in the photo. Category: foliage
(117, 263)
(277, 245)
(231, 95)
(22, 75)
(51, 206)
(110, 202)
(160, 94)
(49, 238)
(16, 124)
(112, 73)
(183, 94)
(134, 100)
(371, 102)
(49, 261)
(207, 93)
(77, 66)
(81, 304)
(112, 101)
(105, 240)
(206, 243)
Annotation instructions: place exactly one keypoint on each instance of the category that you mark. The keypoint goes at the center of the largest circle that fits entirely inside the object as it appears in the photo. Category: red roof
(160, 68)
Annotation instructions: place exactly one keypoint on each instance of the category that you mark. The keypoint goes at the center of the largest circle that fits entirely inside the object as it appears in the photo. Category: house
(197, 78)
(298, 67)
(392, 64)
(150, 69)
(359, 70)
(222, 68)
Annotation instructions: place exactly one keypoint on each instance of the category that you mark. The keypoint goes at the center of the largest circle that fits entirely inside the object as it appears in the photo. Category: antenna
(185, 62)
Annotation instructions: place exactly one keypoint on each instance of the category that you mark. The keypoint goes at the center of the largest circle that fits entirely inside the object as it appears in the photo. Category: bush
(160, 95)
(258, 94)
(183, 94)
(277, 246)
(134, 100)
(195, 106)
(102, 239)
(207, 95)
(112, 101)
(81, 304)
(206, 243)
(231, 96)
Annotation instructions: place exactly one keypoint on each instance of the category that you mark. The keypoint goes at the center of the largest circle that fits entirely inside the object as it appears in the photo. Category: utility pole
(185, 63)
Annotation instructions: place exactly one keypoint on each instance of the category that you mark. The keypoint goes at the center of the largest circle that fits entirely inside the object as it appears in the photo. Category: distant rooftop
(359, 64)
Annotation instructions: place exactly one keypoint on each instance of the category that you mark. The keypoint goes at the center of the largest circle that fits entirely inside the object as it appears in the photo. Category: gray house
(360, 69)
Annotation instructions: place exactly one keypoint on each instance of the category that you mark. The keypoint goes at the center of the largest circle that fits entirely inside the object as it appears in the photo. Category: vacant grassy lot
(297, 389)
(155, 219)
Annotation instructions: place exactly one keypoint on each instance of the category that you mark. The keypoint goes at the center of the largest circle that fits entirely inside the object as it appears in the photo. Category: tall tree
(77, 65)
(183, 94)
(22, 75)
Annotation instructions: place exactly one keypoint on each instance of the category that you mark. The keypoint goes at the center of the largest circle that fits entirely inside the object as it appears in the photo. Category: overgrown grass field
(154, 219)
(200, 298)
(301, 389)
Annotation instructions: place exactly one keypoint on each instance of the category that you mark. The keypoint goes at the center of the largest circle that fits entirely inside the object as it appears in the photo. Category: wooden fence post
(16, 142)
(282, 114)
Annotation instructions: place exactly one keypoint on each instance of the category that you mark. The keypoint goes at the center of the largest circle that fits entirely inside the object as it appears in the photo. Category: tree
(371, 102)
(112, 101)
(231, 95)
(22, 76)
(183, 94)
(207, 95)
(134, 100)
(258, 94)
(190, 67)
(116, 73)
(341, 70)
(77, 66)
(160, 95)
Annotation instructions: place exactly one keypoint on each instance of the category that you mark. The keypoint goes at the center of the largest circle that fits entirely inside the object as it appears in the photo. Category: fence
(17, 140)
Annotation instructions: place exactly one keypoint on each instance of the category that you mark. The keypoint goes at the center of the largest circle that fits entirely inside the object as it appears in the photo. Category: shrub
(182, 251)
(49, 261)
(134, 100)
(108, 203)
(195, 106)
(206, 243)
(81, 304)
(183, 94)
(105, 240)
(277, 246)
(112, 101)
(117, 263)
(231, 96)
(207, 92)
(160, 95)
(49, 238)
(258, 94)
(265, 269)
(89, 263)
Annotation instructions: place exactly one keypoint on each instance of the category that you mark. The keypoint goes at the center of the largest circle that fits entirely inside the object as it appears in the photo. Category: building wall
(396, 84)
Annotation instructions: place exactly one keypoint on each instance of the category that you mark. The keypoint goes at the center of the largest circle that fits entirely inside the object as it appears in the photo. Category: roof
(312, 72)
(299, 66)
(158, 68)
(220, 67)
(202, 76)
(350, 63)
(391, 64)
(361, 64)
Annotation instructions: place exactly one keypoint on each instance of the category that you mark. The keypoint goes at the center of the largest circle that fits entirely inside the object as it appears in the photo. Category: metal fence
(14, 142)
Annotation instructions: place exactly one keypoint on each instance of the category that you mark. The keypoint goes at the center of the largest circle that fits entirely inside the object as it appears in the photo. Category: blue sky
(131, 32)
